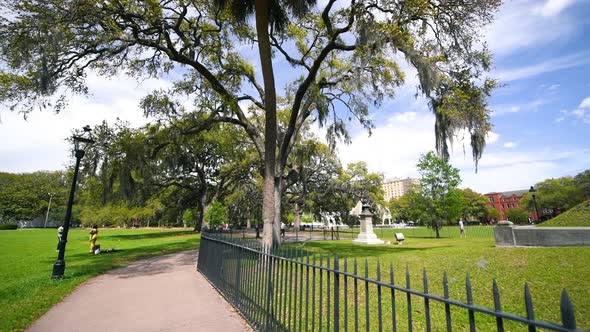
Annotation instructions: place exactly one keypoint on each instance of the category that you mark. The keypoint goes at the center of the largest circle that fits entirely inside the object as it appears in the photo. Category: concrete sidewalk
(159, 294)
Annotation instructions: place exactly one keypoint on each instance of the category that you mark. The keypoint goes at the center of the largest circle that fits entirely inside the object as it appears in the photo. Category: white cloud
(553, 7)
(394, 148)
(39, 142)
(396, 145)
(555, 64)
(582, 113)
(521, 24)
(531, 106)
(519, 169)
(585, 103)
(510, 145)
(492, 137)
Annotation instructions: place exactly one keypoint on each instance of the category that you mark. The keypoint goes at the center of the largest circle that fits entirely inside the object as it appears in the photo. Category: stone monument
(367, 236)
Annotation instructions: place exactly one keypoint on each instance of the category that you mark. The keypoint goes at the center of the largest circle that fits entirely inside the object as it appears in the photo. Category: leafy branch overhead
(346, 57)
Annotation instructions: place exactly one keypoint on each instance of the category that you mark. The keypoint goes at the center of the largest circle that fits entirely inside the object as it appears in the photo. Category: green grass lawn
(578, 216)
(27, 258)
(546, 270)
(410, 232)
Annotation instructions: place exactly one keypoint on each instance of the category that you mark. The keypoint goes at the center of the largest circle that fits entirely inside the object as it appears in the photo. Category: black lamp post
(532, 191)
(80, 145)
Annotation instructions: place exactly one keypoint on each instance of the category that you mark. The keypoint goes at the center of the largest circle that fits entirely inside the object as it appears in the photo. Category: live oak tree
(344, 58)
(315, 166)
(207, 165)
(347, 187)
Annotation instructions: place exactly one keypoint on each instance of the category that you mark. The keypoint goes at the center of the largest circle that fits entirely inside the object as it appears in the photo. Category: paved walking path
(159, 294)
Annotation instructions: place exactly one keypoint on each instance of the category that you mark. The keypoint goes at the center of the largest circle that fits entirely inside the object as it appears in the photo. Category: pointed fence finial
(568, 316)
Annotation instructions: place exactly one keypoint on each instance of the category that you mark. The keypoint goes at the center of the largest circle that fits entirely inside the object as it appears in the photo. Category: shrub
(217, 214)
(8, 226)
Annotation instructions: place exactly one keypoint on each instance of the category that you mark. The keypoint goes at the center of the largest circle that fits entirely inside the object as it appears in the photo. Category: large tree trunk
(270, 131)
(276, 229)
(202, 207)
(297, 211)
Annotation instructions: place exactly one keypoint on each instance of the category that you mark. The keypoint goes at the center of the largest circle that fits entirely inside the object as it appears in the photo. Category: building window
(491, 199)
(503, 206)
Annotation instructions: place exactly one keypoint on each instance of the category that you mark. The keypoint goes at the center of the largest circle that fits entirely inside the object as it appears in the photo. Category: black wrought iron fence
(277, 289)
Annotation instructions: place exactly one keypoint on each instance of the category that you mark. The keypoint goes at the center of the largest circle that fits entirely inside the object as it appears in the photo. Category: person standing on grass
(93, 237)
(461, 228)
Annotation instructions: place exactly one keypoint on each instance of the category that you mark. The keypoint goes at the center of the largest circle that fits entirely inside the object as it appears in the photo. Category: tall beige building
(396, 187)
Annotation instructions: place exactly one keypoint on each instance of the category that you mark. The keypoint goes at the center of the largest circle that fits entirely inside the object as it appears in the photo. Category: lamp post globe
(80, 145)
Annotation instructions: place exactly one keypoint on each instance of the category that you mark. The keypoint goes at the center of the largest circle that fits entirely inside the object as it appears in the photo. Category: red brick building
(502, 201)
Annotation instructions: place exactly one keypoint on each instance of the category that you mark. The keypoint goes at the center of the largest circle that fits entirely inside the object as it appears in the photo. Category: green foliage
(400, 207)
(189, 217)
(582, 180)
(345, 58)
(216, 215)
(341, 193)
(578, 216)
(517, 215)
(561, 193)
(474, 206)
(26, 196)
(438, 201)
(493, 213)
(8, 226)
(115, 215)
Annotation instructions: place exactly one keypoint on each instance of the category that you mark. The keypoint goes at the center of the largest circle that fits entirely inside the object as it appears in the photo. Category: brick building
(503, 201)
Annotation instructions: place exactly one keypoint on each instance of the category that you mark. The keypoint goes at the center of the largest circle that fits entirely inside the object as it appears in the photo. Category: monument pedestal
(367, 236)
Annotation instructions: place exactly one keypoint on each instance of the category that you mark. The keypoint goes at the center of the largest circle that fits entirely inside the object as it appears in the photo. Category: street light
(80, 145)
(532, 191)
(48, 207)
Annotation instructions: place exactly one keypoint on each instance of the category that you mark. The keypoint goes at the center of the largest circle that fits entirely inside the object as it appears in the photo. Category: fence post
(269, 290)
(258, 281)
(336, 295)
(568, 317)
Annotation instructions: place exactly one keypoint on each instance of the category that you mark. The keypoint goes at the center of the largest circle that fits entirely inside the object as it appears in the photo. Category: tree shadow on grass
(156, 265)
(94, 265)
(350, 250)
(153, 235)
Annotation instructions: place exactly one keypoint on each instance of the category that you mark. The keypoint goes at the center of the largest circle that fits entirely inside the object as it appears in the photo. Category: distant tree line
(437, 201)
(158, 175)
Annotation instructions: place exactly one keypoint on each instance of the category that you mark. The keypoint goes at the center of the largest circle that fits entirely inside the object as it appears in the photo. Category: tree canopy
(345, 58)
(26, 196)
(438, 200)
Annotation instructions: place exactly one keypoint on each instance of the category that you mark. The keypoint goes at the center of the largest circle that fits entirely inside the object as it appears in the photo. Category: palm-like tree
(274, 13)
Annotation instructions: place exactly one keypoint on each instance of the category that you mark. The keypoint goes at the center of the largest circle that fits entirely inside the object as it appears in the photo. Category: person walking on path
(461, 228)
(93, 237)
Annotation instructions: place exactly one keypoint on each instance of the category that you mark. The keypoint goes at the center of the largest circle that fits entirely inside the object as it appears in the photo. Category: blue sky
(541, 114)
